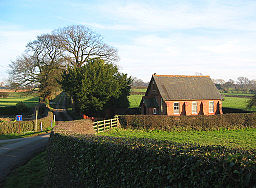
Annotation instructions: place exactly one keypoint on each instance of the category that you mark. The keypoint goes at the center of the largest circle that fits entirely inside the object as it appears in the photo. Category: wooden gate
(100, 126)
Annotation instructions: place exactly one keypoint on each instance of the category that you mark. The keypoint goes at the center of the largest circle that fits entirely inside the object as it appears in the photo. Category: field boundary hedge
(11, 127)
(96, 161)
(200, 122)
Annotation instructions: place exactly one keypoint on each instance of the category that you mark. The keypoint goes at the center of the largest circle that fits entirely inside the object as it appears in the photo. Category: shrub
(171, 123)
(94, 161)
(10, 127)
(21, 108)
(9, 110)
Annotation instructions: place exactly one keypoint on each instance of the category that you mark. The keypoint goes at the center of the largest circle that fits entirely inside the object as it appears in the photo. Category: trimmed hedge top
(200, 122)
(95, 161)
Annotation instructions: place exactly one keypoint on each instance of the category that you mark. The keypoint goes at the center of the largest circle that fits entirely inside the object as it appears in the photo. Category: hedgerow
(200, 122)
(95, 161)
(10, 127)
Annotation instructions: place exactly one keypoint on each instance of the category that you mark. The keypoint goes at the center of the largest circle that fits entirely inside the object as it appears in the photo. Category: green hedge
(201, 122)
(94, 161)
(11, 127)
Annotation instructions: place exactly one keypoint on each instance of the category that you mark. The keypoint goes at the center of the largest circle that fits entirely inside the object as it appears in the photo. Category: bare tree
(243, 80)
(138, 82)
(46, 57)
(219, 81)
(243, 83)
(41, 64)
(79, 43)
(231, 82)
(23, 72)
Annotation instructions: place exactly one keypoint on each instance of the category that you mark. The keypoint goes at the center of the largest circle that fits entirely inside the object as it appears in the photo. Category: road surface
(15, 152)
(60, 111)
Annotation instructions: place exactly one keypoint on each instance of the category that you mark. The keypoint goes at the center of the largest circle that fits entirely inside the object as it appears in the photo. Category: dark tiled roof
(150, 102)
(179, 87)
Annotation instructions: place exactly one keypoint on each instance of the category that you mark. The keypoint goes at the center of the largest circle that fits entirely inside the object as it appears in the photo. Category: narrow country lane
(16, 152)
(60, 111)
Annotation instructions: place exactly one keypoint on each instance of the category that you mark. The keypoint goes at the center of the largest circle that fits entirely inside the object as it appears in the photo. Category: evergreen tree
(96, 86)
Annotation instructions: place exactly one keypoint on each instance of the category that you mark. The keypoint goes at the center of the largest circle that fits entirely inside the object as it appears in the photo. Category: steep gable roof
(179, 87)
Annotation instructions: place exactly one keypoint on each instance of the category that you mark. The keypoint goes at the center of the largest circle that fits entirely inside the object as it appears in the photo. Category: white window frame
(211, 108)
(176, 106)
(194, 104)
(154, 111)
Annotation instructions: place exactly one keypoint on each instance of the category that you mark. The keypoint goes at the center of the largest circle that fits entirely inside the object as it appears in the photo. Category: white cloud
(213, 37)
(183, 15)
(219, 58)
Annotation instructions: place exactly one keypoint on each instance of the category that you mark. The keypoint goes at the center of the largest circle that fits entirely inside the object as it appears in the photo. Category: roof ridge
(178, 75)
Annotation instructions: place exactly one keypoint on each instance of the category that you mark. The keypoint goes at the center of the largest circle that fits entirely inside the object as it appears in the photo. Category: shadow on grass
(234, 110)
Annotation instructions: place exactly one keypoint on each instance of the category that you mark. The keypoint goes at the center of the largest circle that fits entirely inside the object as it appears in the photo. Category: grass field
(138, 89)
(14, 98)
(32, 174)
(243, 138)
(237, 94)
(135, 100)
(236, 102)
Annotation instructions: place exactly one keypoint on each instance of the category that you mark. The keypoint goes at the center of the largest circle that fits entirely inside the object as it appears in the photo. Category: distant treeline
(241, 85)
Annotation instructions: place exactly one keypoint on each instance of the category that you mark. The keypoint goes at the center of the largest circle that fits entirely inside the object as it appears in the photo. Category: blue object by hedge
(19, 117)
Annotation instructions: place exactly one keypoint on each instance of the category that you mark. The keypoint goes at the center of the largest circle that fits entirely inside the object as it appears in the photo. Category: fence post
(36, 108)
(110, 123)
(41, 126)
(117, 121)
(104, 124)
(97, 126)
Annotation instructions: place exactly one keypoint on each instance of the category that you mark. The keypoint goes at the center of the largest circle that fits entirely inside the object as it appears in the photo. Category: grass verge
(13, 136)
(242, 138)
(32, 174)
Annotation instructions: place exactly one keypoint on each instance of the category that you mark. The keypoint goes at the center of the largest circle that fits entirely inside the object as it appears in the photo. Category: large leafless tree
(41, 64)
(49, 54)
(79, 44)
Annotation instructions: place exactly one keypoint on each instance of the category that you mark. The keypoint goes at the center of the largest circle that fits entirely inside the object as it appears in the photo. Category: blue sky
(212, 37)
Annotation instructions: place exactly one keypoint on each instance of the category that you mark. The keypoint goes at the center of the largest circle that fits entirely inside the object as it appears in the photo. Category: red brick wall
(186, 107)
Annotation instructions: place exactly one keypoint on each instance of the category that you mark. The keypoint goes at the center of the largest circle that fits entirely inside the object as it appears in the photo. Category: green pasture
(242, 138)
(237, 103)
(135, 100)
(14, 98)
(139, 90)
(237, 94)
